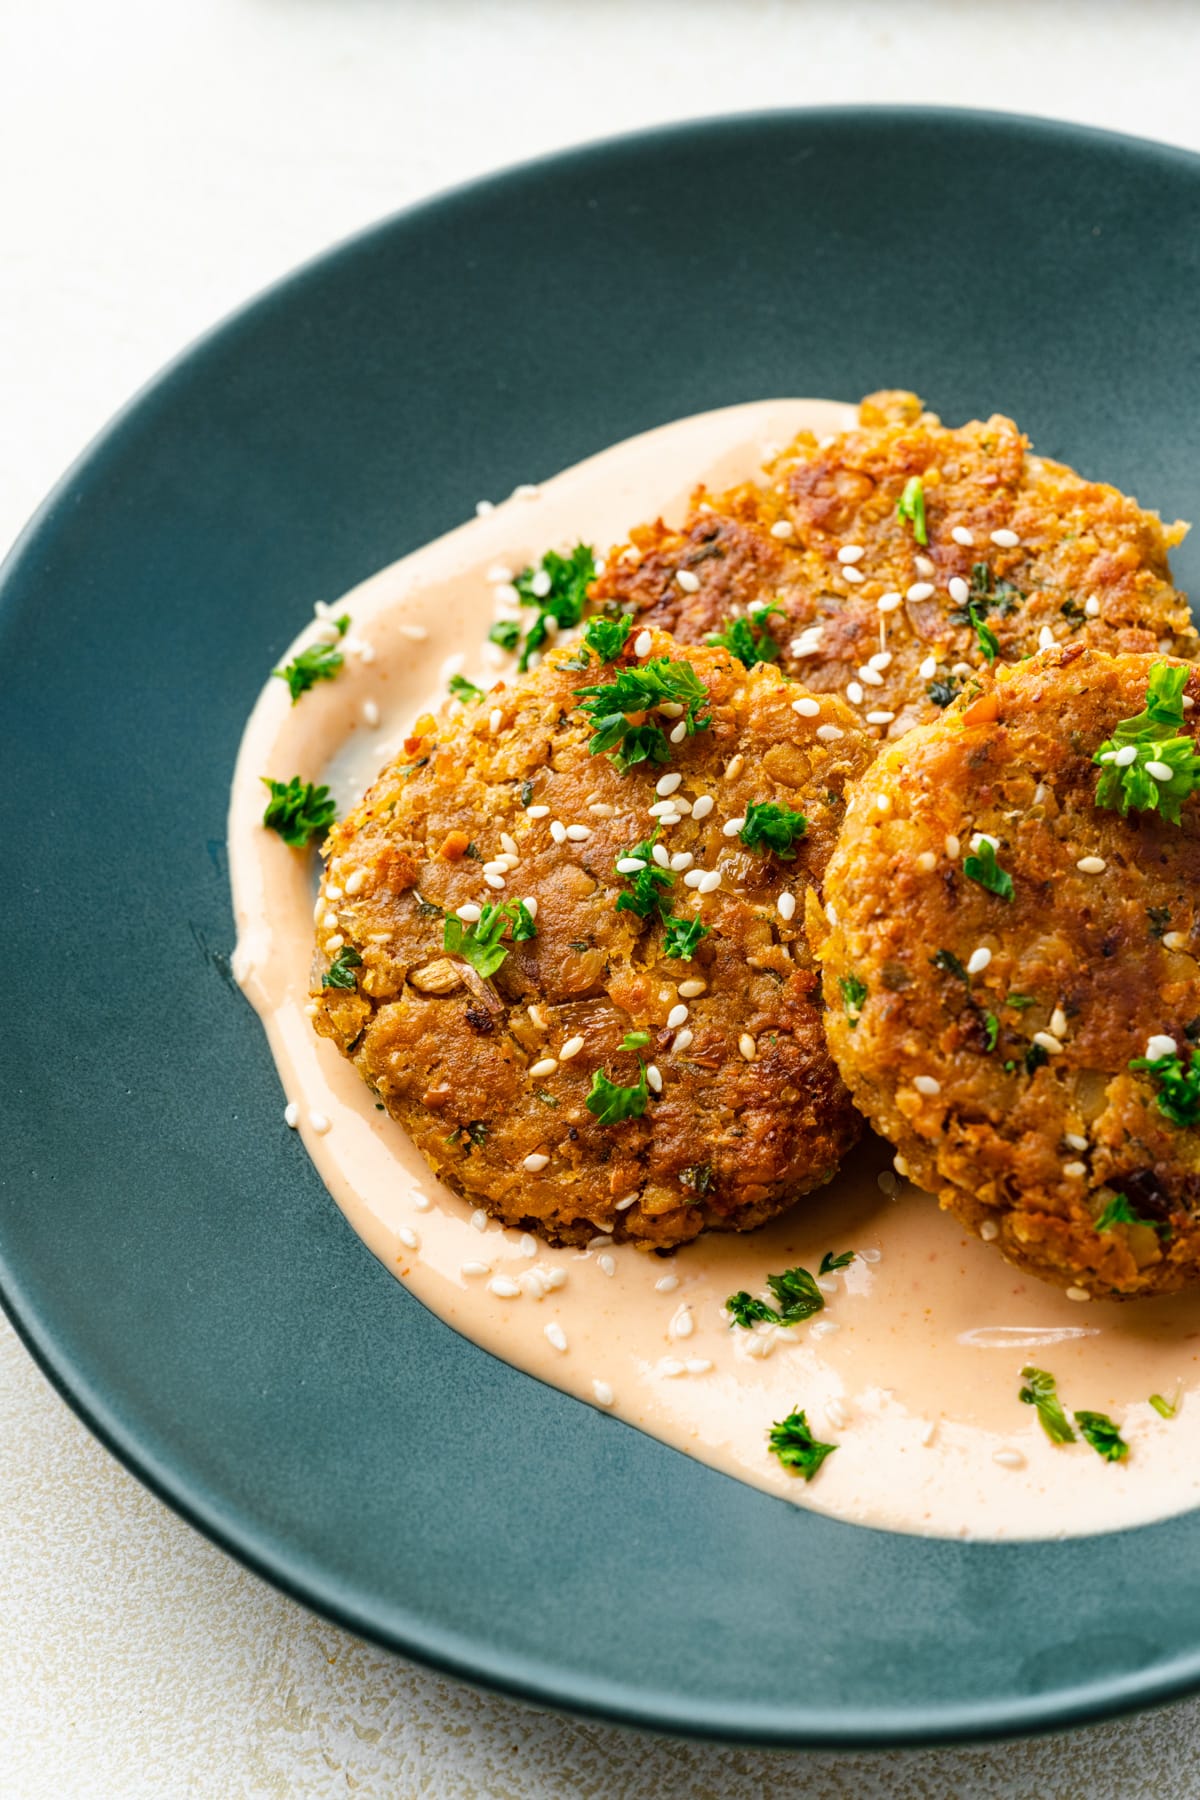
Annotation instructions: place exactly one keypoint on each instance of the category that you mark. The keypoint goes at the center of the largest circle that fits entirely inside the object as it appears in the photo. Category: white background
(163, 159)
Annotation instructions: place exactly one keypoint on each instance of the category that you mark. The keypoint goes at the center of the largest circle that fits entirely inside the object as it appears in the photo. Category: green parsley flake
(298, 811)
(319, 662)
(794, 1444)
(982, 867)
(1166, 1409)
(698, 1178)
(1178, 1095)
(635, 1040)
(991, 1026)
(637, 691)
(1103, 1435)
(566, 580)
(1148, 764)
(609, 1104)
(681, 936)
(1120, 1212)
(340, 973)
(647, 886)
(607, 636)
(1041, 1390)
(749, 638)
(854, 993)
(480, 944)
(771, 827)
(911, 506)
(464, 690)
(1036, 1057)
(950, 965)
(830, 1262)
(796, 1292)
(506, 633)
(943, 691)
(989, 643)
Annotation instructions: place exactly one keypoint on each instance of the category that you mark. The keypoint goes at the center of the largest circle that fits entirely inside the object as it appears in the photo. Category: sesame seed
(808, 642)
(982, 837)
(962, 536)
(731, 827)
(829, 734)
(408, 1237)
(319, 1122)
(854, 693)
(417, 633)
(702, 806)
(660, 856)
(504, 1287)
(1091, 606)
(1048, 1042)
(643, 643)
(682, 1041)
(835, 1412)
(880, 718)
(535, 1162)
(493, 880)
(851, 553)
(678, 732)
(484, 507)
(534, 1283)
(555, 1336)
(669, 1366)
(693, 878)
(807, 708)
(928, 668)
(556, 1278)
(698, 1365)
(558, 831)
(676, 1017)
(630, 865)
(1175, 940)
(926, 861)
(1160, 1045)
(883, 803)
(958, 590)
(1007, 540)
(927, 1084)
(683, 1324)
(1058, 1022)
(920, 590)
(536, 812)
(1078, 1293)
(666, 1284)
(782, 528)
(662, 808)
(356, 881)
(1008, 1459)
(497, 866)
(527, 490)
(1074, 1169)
(666, 784)
(291, 1114)
(734, 766)
(479, 1219)
(688, 582)
(1091, 865)
(785, 906)
(528, 1244)
(979, 960)
(547, 1066)
(603, 1393)
(531, 905)
(747, 1046)
(683, 859)
(329, 922)
(924, 565)
(1073, 1141)
(628, 1201)
(989, 1231)
(579, 834)
(708, 884)
(890, 601)
(469, 913)
(653, 1077)
(1125, 755)
(508, 843)
(475, 1268)
(870, 673)
(1161, 771)
(506, 594)
(571, 1048)
(852, 575)
(1045, 638)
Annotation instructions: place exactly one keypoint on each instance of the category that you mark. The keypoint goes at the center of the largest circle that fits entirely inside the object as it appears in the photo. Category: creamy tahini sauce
(913, 1367)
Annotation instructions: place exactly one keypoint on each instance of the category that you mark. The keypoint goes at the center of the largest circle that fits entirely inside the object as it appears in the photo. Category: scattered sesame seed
(1125, 755)
(630, 865)
(979, 960)
(417, 633)
(962, 536)
(469, 913)
(747, 1046)
(854, 693)
(475, 1268)
(731, 827)
(1008, 1459)
(989, 1231)
(682, 1040)
(851, 553)
(927, 1084)
(880, 718)
(688, 582)
(682, 859)
(852, 575)
(1161, 771)
(1160, 1045)
(291, 1114)
(535, 1162)
(541, 584)
(958, 590)
(676, 1017)
(734, 767)
(355, 882)
(555, 1336)
(1007, 540)
(546, 1066)
(678, 732)
(1048, 1042)
(708, 884)
(666, 784)
(693, 878)
(628, 1201)
(579, 834)
(890, 601)
(698, 1365)
(1046, 638)
(1078, 1293)
(920, 590)
(669, 1366)
(1091, 865)
(408, 1237)
(556, 1278)
(926, 861)
(506, 595)
(603, 1393)
(683, 1324)
(479, 1219)
(809, 641)
(928, 668)
(785, 906)
(689, 989)
(508, 843)
(558, 831)
(1074, 1169)
(319, 1122)
(782, 528)
(607, 1264)
(642, 644)
(662, 807)
(982, 837)
(654, 1078)
(924, 565)
(494, 881)
(571, 1048)
(1091, 606)
(835, 1412)
(807, 708)
(1175, 940)
(1058, 1022)
(660, 856)
(702, 806)
(883, 803)
(504, 1287)
(484, 507)
(829, 734)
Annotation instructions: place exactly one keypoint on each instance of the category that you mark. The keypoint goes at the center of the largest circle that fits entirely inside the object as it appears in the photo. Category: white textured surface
(162, 161)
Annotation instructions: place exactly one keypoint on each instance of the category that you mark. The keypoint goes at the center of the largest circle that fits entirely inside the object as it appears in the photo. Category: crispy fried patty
(991, 1039)
(868, 611)
(491, 1076)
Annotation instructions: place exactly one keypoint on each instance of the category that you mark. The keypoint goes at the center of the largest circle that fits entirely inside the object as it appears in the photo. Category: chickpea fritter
(1011, 967)
(833, 538)
(689, 987)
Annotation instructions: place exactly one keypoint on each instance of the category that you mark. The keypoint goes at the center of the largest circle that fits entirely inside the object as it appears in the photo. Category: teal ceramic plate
(166, 1250)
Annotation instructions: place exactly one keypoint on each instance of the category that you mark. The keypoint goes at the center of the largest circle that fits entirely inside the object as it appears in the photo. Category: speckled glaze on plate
(166, 1250)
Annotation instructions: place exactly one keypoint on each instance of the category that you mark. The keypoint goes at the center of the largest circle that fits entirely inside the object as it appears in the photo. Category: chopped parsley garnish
(984, 597)
(796, 1292)
(566, 580)
(1036, 1057)
(1160, 918)
(772, 827)
(480, 944)
(610, 705)
(1148, 764)
(464, 690)
(749, 638)
(319, 662)
(635, 1040)
(609, 1104)
(340, 973)
(1019, 1001)
(298, 811)
(698, 1177)
(1178, 1095)
(607, 636)
(911, 506)
(1041, 1390)
(1120, 1212)
(991, 1026)
(1103, 1435)
(794, 1444)
(475, 1131)
(981, 866)
(1166, 1409)
(854, 992)
(950, 965)
(944, 690)
(989, 643)
(681, 936)
(506, 633)
(647, 886)
(830, 1262)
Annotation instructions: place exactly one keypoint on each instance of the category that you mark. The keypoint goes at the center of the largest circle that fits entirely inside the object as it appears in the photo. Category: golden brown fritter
(992, 1039)
(869, 612)
(491, 1076)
